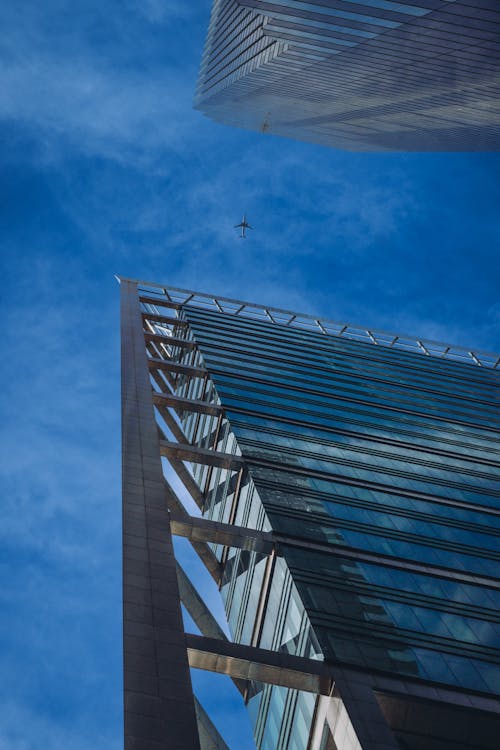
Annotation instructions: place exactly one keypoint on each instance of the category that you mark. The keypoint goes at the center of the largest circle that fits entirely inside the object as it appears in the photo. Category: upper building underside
(367, 75)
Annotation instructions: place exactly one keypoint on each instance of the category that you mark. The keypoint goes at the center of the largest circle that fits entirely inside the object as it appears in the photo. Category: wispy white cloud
(51, 450)
(61, 78)
(60, 532)
(46, 733)
(159, 11)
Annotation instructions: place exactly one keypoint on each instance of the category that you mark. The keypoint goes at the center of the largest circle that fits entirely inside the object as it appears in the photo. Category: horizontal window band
(352, 347)
(373, 633)
(385, 400)
(330, 364)
(321, 441)
(323, 17)
(450, 476)
(373, 425)
(383, 532)
(389, 593)
(309, 350)
(312, 495)
(334, 375)
(341, 479)
(229, 35)
(330, 412)
(361, 368)
(266, 450)
(268, 408)
(190, 304)
(252, 50)
(226, 378)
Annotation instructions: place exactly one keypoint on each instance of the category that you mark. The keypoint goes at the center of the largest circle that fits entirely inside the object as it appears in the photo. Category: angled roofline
(327, 326)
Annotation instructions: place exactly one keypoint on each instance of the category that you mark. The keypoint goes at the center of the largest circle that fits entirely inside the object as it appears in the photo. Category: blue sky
(107, 169)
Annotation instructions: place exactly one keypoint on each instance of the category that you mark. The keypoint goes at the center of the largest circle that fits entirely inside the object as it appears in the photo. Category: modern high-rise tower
(363, 75)
(348, 489)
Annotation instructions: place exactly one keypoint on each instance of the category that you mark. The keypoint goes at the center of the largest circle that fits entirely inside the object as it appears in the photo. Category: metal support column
(159, 703)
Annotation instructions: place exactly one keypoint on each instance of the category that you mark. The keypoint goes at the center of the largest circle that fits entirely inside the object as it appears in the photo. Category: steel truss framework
(160, 708)
(173, 298)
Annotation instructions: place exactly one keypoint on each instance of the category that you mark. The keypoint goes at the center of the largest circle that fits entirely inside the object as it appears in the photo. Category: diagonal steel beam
(202, 617)
(201, 548)
(188, 481)
(210, 738)
(171, 423)
(197, 608)
(160, 381)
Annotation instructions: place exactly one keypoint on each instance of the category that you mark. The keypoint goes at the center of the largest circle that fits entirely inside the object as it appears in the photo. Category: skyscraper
(363, 75)
(347, 481)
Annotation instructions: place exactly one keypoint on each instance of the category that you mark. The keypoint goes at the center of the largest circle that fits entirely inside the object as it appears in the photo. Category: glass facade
(366, 75)
(379, 471)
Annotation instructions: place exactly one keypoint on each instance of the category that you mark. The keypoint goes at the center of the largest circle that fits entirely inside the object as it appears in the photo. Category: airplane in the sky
(244, 226)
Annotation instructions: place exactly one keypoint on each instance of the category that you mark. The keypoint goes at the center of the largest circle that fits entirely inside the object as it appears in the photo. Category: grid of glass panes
(381, 451)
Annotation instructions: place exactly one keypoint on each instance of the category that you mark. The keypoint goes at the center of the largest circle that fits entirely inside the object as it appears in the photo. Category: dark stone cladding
(158, 699)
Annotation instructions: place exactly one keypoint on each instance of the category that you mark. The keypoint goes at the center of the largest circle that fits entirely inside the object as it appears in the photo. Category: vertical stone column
(158, 698)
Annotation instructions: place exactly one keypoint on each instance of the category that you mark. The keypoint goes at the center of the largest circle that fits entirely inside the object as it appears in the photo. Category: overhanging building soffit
(363, 76)
(159, 295)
